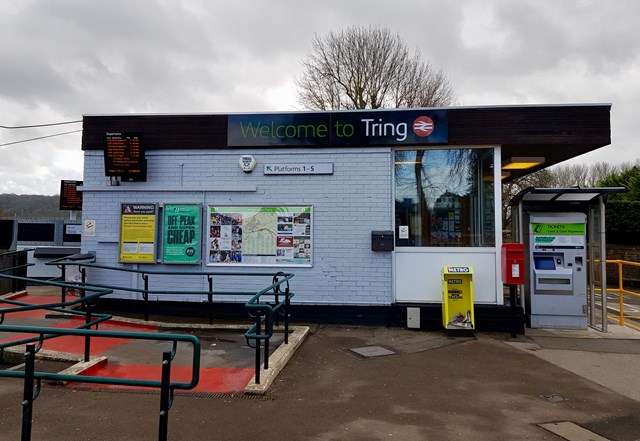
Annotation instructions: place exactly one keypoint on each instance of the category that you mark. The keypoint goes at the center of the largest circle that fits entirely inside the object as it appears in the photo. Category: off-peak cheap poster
(181, 233)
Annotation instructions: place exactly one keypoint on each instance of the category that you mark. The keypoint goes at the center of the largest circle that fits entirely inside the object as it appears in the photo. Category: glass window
(444, 198)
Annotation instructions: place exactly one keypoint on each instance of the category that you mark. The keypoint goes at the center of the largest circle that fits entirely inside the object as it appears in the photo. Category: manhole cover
(372, 351)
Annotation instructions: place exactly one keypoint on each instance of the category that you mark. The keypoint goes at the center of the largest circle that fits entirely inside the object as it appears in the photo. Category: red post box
(513, 263)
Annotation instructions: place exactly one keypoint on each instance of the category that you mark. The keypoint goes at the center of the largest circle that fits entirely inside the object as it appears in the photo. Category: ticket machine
(557, 270)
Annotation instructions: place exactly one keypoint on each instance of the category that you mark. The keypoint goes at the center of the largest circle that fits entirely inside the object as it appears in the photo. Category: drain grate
(185, 393)
(372, 351)
(554, 398)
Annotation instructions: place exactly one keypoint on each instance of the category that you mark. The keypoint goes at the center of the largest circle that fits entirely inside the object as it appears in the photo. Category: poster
(260, 236)
(138, 233)
(181, 233)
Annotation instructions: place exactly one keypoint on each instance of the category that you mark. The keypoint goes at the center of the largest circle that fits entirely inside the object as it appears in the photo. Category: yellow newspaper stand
(457, 297)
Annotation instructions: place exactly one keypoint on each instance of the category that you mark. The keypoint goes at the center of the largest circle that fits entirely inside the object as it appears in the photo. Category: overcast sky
(60, 59)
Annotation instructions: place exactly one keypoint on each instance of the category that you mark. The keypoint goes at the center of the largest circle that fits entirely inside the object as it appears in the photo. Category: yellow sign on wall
(457, 297)
(138, 233)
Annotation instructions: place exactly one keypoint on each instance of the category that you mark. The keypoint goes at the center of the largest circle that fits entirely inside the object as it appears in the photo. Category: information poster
(124, 156)
(181, 233)
(137, 233)
(255, 236)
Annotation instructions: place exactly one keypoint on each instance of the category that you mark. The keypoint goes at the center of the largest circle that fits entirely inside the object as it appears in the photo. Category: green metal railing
(269, 313)
(46, 332)
(30, 376)
(88, 302)
(265, 312)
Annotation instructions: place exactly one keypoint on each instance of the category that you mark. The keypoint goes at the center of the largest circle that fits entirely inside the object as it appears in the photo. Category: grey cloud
(65, 58)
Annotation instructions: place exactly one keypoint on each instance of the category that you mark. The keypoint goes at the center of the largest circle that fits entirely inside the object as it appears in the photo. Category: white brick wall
(347, 206)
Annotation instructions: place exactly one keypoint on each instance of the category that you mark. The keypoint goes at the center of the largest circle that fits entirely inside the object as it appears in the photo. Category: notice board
(124, 156)
(181, 233)
(260, 236)
(138, 232)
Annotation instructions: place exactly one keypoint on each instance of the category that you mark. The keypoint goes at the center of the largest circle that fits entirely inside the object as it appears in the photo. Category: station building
(364, 207)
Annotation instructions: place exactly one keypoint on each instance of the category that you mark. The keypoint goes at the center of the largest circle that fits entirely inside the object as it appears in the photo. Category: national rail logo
(423, 126)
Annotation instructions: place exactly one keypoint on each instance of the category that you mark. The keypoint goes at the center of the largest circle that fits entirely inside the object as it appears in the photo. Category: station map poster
(260, 236)
(138, 232)
(181, 233)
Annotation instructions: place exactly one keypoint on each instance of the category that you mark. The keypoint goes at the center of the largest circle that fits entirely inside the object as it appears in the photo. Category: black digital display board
(124, 156)
(70, 197)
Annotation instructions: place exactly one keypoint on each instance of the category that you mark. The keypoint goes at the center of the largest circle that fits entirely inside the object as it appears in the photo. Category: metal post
(620, 294)
(165, 390)
(287, 303)
(63, 276)
(14, 272)
(603, 263)
(258, 332)
(87, 338)
(267, 330)
(27, 397)
(145, 297)
(512, 305)
(210, 298)
(83, 273)
(591, 288)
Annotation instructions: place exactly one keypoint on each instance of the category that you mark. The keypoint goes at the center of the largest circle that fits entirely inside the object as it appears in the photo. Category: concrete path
(549, 385)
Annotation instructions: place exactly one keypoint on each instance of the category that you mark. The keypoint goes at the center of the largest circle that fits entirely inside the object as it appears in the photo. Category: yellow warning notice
(138, 233)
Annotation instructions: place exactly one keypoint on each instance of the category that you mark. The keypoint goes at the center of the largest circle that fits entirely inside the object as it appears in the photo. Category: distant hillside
(31, 205)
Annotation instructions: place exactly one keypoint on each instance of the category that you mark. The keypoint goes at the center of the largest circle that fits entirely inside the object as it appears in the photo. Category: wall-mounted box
(382, 241)
(512, 263)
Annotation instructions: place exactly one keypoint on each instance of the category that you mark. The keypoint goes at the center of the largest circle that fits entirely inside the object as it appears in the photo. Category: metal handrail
(29, 375)
(61, 261)
(268, 311)
(57, 332)
(24, 265)
(86, 301)
(263, 312)
(622, 291)
(144, 273)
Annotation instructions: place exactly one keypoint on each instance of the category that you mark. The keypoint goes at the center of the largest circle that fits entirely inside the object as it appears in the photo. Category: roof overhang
(563, 195)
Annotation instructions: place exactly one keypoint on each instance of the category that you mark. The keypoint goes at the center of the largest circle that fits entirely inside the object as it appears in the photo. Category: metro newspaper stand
(457, 298)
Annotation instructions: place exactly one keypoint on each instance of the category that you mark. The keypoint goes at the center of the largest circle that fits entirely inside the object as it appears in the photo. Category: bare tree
(369, 68)
(562, 176)
(569, 175)
(541, 179)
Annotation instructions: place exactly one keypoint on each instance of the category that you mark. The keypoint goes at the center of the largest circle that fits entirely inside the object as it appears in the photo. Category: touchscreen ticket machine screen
(544, 262)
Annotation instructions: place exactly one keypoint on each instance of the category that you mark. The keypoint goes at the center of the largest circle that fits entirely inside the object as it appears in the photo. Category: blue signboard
(357, 128)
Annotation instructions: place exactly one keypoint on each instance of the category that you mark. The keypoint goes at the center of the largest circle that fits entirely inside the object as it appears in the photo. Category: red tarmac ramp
(227, 363)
